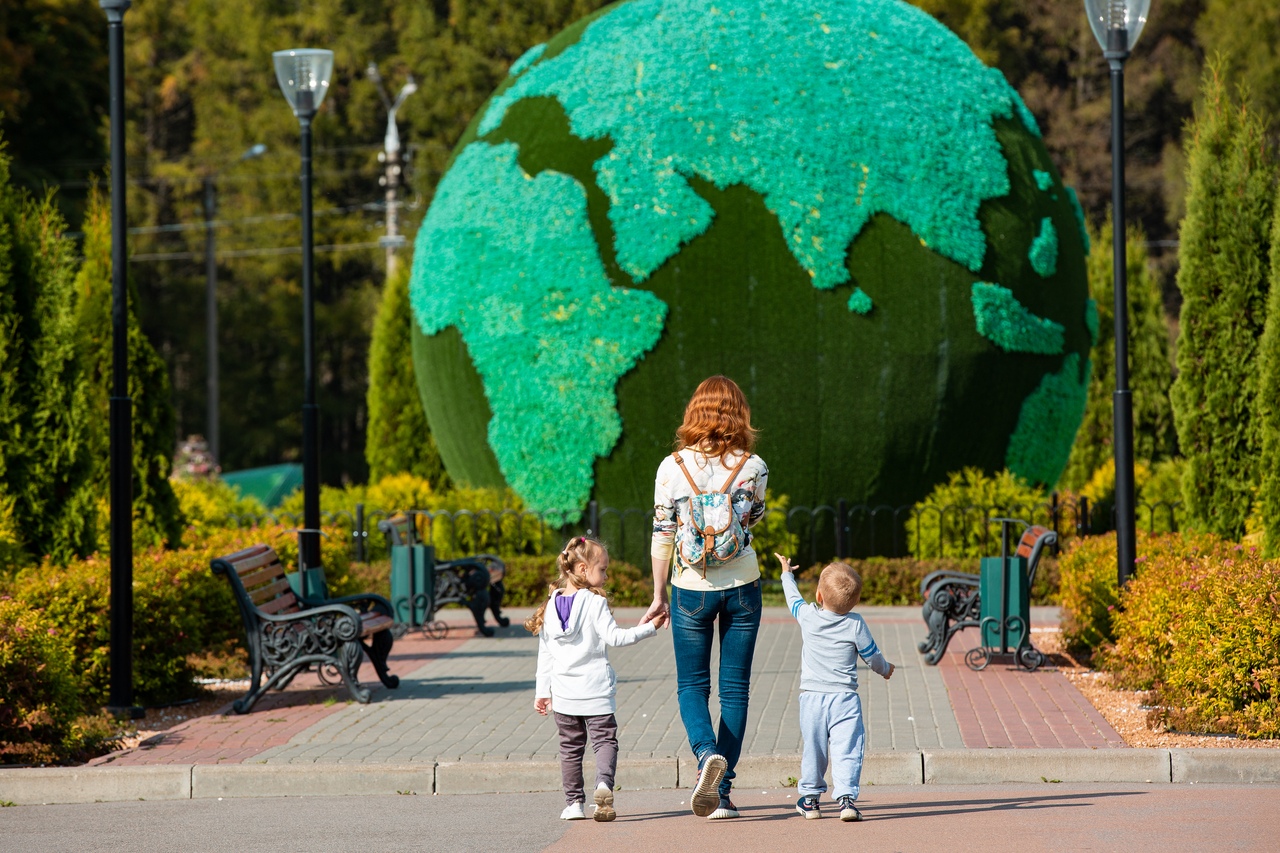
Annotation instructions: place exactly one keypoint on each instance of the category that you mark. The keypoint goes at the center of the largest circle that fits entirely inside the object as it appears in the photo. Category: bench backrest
(400, 530)
(1032, 544)
(258, 579)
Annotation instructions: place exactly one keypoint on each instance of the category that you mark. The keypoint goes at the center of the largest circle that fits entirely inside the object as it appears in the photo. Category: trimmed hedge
(182, 611)
(1199, 625)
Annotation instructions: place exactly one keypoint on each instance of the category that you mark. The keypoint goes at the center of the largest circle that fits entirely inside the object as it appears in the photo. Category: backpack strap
(687, 475)
(733, 475)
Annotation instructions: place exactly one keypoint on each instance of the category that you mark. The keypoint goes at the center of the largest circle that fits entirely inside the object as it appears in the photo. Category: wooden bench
(472, 581)
(951, 601)
(287, 634)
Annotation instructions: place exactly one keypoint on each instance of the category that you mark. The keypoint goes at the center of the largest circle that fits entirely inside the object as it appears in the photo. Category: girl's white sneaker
(604, 803)
(573, 811)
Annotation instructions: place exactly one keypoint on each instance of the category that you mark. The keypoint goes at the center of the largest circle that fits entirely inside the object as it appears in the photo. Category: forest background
(201, 91)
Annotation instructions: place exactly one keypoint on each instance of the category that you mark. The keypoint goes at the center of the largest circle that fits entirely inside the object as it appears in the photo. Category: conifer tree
(398, 439)
(1269, 400)
(1150, 372)
(1223, 257)
(157, 518)
(46, 464)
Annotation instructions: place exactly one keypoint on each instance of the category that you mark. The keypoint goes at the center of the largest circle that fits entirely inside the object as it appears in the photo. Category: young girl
(574, 626)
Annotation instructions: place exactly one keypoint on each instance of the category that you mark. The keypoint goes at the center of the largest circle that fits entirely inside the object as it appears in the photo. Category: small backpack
(714, 534)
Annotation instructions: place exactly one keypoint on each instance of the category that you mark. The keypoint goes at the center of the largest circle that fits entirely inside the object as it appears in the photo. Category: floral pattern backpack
(714, 534)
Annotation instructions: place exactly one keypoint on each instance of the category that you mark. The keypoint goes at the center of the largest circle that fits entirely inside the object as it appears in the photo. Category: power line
(245, 253)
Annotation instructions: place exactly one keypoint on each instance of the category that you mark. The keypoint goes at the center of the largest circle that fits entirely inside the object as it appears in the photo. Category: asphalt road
(1160, 818)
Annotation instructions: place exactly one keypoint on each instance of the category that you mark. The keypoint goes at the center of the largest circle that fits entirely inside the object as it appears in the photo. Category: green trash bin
(413, 584)
(1005, 608)
(1002, 587)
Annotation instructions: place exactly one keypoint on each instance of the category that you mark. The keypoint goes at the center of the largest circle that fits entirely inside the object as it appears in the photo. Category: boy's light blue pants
(831, 728)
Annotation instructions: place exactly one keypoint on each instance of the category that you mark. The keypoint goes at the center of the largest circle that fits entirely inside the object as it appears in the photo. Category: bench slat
(286, 603)
(249, 563)
(275, 571)
(372, 623)
(267, 593)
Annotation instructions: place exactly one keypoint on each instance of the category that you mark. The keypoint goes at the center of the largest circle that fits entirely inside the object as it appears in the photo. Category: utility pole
(391, 159)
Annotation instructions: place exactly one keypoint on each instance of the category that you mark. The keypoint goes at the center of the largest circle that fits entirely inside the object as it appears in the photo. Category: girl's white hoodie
(573, 664)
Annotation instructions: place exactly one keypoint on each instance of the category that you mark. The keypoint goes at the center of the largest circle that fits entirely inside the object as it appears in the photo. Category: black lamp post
(211, 302)
(304, 78)
(120, 694)
(1117, 25)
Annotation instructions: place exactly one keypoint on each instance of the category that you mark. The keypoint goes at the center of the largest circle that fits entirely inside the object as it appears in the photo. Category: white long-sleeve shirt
(573, 661)
(671, 495)
(832, 645)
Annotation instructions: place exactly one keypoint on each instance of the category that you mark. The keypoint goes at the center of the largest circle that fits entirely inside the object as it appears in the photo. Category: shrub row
(182, 611)
(1198, 625)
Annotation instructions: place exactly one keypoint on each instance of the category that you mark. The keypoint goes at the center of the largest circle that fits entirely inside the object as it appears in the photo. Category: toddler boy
(830, 709)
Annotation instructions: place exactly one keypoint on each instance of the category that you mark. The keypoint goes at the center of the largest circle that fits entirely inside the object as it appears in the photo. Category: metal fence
(821, 533)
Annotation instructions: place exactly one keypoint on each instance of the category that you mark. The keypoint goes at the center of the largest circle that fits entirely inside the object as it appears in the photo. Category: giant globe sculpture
(833, 202)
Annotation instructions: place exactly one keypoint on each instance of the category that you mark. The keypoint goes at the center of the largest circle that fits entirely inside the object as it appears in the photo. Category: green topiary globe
(831, 201)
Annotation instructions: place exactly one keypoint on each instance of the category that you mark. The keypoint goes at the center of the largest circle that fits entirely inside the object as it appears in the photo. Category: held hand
(889, 674)
(786, 563)
(661, 620)
(543, 705)
(658, 609)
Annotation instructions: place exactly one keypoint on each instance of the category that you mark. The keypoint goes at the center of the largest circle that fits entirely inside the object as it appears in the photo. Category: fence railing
(821, 533)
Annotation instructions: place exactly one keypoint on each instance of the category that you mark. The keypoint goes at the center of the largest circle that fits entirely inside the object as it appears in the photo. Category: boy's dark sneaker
(808, 806)
(706, 793)
(848, 811)
(725, 810)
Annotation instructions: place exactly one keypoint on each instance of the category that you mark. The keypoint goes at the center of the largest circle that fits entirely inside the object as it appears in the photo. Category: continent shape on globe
(831, 201)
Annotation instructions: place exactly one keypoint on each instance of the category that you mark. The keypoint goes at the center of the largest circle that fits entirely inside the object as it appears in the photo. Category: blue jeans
(695, 616)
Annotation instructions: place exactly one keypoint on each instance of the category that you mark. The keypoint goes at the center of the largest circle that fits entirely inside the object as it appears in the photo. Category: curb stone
(992, 766)
(43, 785)
(1226, 765)
(311, 780)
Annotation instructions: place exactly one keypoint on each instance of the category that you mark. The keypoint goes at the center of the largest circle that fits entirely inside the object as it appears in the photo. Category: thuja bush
(1200, 626)
(529, 578)
(183, 612)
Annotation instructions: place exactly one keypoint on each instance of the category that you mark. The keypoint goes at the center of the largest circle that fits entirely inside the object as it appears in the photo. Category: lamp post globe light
(1117, 24)
(213, 432)
(303, 75)
(120, 411)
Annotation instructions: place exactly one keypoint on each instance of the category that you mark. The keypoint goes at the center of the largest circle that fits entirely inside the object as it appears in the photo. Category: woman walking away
(707, 496)
(575, 681)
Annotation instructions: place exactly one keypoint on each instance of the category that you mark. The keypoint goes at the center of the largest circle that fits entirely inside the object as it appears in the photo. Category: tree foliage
(1150, 371)
(46, 458)
(156, 516)
(1269, 399)
(398, 440)
(1223, 258)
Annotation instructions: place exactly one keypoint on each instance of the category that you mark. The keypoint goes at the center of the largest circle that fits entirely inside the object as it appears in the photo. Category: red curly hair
(717, 420)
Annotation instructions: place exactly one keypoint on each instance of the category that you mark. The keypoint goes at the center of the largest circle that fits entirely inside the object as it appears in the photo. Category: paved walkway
(467, 698)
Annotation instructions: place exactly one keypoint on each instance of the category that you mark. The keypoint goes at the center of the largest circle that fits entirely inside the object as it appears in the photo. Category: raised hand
(786, 563)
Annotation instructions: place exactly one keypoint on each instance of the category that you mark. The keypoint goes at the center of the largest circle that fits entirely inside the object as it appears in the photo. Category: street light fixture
(303, 75)
(1117, 24)
(391, 158)
(211, 302)
(120, 407)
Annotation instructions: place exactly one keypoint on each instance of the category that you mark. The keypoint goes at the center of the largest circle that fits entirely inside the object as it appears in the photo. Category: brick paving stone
(478, 702)
(471, 699)
(1002, 706)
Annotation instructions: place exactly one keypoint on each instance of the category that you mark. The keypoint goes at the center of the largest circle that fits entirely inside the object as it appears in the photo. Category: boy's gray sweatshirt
(832, 645)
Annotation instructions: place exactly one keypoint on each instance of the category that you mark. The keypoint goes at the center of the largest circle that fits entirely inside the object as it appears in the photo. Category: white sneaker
(573, 811)
(706, 793)
(604, 803)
